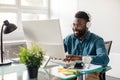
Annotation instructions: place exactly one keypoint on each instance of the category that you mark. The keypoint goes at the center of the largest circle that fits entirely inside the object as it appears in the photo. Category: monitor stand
(45, 61)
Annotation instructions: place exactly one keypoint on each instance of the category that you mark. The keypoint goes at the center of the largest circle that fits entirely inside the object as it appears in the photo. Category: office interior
(105, 17)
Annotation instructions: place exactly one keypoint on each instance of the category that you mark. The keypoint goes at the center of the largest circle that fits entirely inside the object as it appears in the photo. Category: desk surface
(19, 72)
(86, 70)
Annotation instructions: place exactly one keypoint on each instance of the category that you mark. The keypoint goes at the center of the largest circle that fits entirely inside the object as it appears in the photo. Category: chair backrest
(108, 46)
(102, 74)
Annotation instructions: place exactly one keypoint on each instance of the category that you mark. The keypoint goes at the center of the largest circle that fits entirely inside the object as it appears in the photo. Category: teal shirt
(91, 45)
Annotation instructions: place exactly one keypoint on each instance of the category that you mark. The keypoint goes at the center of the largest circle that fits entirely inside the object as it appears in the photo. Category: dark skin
(80, 30)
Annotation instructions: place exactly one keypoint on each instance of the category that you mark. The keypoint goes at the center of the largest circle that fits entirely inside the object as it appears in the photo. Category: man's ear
(88, 24)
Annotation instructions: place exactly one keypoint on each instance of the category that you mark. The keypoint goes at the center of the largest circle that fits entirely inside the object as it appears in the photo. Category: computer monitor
(48, 34)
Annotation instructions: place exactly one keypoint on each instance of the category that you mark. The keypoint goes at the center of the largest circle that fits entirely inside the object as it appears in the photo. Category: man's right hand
(72, 58)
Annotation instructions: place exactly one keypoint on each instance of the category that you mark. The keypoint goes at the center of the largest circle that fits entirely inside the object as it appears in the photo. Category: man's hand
(72, 58)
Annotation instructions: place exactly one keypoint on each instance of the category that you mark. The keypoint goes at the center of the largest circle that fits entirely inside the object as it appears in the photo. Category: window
(37, 3)
(16, 11)
(10, 2)
(33, 16)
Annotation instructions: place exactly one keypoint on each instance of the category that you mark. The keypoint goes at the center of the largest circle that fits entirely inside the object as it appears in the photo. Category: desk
(19, 72)
(81, 72)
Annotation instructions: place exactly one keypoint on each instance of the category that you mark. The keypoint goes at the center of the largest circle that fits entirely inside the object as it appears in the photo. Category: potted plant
(32, 58)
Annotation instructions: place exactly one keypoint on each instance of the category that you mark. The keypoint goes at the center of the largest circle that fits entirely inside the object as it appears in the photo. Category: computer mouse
(79, 65)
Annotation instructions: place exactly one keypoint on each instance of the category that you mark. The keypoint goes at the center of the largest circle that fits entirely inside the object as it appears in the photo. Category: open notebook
(47, 33)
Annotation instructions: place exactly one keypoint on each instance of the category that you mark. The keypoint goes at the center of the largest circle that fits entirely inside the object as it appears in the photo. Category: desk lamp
(8, 29)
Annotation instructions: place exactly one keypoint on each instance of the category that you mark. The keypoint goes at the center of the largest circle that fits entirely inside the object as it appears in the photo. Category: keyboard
(61, 62)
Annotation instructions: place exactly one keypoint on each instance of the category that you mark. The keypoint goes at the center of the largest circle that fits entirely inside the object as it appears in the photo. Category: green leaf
(32, 57)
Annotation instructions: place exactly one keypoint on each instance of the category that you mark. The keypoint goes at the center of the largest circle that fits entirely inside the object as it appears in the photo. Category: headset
(88, 24)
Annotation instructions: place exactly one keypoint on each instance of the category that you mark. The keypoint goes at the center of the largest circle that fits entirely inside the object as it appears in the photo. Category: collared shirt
(91, 45)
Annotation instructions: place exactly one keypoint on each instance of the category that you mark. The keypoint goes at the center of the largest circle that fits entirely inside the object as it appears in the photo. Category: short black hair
(82, 14)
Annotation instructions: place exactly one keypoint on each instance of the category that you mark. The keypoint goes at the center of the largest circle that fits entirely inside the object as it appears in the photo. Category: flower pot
(32, 72)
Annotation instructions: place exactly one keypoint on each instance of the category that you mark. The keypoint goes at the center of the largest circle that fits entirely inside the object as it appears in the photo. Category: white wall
(105, 17)
(115, 65)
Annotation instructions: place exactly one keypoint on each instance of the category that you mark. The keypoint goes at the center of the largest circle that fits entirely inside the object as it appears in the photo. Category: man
(84, 43)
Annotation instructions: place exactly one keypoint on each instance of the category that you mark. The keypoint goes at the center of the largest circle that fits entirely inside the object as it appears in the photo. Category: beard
(79, 33)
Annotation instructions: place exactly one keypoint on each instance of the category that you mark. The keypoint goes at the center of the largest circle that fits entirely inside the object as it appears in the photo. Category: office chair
(102, 74)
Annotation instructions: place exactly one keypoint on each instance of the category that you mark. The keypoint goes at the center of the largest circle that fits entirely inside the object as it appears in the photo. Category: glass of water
(87, 61)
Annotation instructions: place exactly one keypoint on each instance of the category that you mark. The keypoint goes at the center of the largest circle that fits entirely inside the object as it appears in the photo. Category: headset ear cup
(88, 24)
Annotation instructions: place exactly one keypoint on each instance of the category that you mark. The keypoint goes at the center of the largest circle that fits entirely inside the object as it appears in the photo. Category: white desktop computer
(48, 34)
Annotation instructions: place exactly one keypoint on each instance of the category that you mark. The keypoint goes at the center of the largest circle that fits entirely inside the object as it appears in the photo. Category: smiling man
(84, 43)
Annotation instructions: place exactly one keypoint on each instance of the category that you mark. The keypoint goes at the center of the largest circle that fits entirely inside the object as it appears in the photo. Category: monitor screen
(47, 33)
